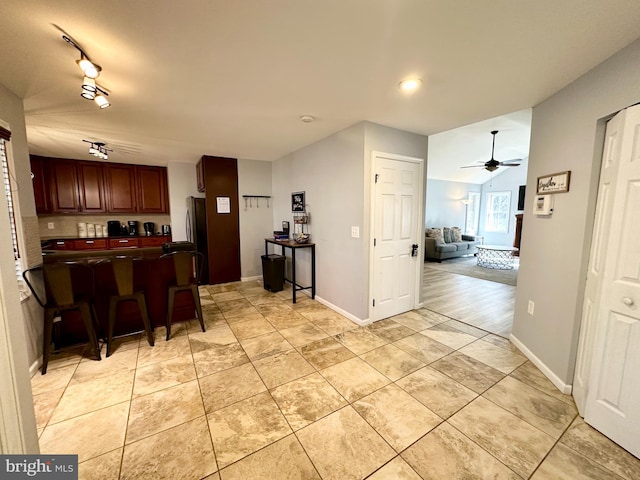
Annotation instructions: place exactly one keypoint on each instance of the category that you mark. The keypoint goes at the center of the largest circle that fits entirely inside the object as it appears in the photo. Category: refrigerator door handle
(188, 226)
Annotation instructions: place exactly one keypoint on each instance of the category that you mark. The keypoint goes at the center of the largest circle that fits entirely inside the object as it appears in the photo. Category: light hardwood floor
(481, 303)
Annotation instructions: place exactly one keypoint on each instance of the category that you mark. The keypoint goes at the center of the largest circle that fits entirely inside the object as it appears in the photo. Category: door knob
(414, 249)
(627, 301)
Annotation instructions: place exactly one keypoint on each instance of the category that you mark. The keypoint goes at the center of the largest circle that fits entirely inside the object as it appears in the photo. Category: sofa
(448, 242)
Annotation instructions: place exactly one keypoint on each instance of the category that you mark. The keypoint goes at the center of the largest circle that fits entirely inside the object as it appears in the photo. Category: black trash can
(273, 272)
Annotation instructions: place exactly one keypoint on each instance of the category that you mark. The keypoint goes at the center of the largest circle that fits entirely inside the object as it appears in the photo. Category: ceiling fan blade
(509, 164)
(511, 160)
(473, 166)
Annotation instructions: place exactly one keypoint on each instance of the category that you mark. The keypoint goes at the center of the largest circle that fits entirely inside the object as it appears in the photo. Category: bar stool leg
(142, 305)
(113, 304)
(85, 313)
(49, 313)
(196, 300)
(172, 297)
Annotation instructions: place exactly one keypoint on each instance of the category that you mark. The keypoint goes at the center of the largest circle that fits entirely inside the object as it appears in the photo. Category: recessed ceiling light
(410, 84)
(306, 118)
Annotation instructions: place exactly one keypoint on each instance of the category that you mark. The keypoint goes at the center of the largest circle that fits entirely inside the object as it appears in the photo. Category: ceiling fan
(493, 164)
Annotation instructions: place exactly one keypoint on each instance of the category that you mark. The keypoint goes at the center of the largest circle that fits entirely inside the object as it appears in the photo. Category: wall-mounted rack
(248, 200)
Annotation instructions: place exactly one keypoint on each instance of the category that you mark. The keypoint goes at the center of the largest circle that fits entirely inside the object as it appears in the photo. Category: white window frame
(498, 212)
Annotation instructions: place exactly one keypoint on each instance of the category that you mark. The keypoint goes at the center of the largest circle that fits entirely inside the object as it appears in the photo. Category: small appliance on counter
(133, 228)
(149, 228)
(166, 229)
(113, 228)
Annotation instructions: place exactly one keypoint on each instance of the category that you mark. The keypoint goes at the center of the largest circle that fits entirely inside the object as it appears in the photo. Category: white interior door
(599, 244)
(396, 217)
(614, 389)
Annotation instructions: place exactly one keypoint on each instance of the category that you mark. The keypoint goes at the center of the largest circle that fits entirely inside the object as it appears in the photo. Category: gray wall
(335, 173)
(330, 172)
(508, 181)
(444, 207)
(254, 178)
(567, 134)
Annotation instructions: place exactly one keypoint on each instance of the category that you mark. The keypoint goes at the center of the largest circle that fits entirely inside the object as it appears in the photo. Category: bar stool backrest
(57, 277)
(123, 273)
(183, 263)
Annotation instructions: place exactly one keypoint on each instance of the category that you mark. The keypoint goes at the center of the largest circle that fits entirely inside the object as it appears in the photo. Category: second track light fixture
(90, 90)
(98, 149)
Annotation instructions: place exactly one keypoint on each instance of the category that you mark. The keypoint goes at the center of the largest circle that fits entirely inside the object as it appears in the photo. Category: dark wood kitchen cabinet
(91, 187)
(63, 185)
(78, 186)
(40, 181)
(120, 180)
(152, 189)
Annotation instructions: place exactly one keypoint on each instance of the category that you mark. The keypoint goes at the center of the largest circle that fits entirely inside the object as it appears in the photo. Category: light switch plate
(355, 232)
(50, 225)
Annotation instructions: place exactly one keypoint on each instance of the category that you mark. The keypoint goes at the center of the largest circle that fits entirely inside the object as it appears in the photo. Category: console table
(496, 256)
(293, 245)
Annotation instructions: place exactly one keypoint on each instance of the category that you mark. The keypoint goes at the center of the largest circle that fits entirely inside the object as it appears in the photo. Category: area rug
(468, 266)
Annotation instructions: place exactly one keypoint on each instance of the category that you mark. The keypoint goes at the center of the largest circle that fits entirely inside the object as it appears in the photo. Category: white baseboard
(563, 387)
(344, 313)
(250, 279)
(35, 366)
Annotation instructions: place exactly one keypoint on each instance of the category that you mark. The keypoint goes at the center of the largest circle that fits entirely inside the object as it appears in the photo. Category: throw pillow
(446, 233)
(435, 233)
(456, 234)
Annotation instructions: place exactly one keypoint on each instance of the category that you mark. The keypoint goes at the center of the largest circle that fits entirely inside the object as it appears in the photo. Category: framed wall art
(297, 202)
(554, 183)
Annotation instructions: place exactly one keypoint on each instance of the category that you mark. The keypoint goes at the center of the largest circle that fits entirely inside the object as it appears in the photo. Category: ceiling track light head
(98, 149)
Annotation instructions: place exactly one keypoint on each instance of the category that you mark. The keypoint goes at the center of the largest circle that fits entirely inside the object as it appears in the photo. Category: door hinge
(377, 176)
(374, 242)
(374, 302)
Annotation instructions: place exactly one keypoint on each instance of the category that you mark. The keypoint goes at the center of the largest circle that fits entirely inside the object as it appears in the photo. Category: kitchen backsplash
(67, 225)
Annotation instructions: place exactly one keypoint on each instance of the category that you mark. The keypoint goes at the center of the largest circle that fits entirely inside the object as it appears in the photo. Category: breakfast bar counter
(152, 273)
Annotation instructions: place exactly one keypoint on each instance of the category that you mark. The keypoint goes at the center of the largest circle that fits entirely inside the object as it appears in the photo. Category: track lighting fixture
(90, 90)
(98, 149)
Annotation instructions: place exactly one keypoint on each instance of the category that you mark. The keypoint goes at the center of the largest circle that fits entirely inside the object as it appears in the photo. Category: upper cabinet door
(152, 189)
(91, 187)
(40, 183)
(120, 180)
(63, 186)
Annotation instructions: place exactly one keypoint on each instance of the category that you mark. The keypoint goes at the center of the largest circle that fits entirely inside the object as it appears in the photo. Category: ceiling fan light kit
(493, 164)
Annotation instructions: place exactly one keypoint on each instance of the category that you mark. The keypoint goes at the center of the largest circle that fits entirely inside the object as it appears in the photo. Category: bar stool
(186, 278)
(123, 273)
(60, 297)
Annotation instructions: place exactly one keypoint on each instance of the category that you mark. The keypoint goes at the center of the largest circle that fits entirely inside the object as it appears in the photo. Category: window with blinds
(6, 180)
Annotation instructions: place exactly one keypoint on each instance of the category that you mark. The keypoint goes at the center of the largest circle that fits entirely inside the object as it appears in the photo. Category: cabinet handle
(123, 241)
(627, 301)
(89, 242)
(59, 243)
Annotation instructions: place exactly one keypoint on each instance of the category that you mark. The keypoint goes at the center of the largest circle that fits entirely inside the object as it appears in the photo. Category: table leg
(313, 271)
(293, 272)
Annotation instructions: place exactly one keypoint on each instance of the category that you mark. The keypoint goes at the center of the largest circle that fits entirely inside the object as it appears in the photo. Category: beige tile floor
(274, 390)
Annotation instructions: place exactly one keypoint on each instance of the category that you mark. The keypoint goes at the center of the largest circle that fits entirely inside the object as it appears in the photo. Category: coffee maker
(149, 228)
(133, 228)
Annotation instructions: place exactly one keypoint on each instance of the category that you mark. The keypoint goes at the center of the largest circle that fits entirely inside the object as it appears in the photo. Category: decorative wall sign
(297, 202)
(555, 183)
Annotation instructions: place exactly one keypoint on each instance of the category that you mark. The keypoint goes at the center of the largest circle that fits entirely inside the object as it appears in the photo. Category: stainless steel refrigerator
(197, 233)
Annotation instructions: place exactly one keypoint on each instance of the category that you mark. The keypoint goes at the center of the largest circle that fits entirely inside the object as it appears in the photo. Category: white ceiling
(232, 77)
(471, 145)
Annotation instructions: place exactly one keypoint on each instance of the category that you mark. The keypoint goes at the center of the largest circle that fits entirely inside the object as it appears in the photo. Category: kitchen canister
(82, 230)
(98, 230)
(91, 230)
(105, 232)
